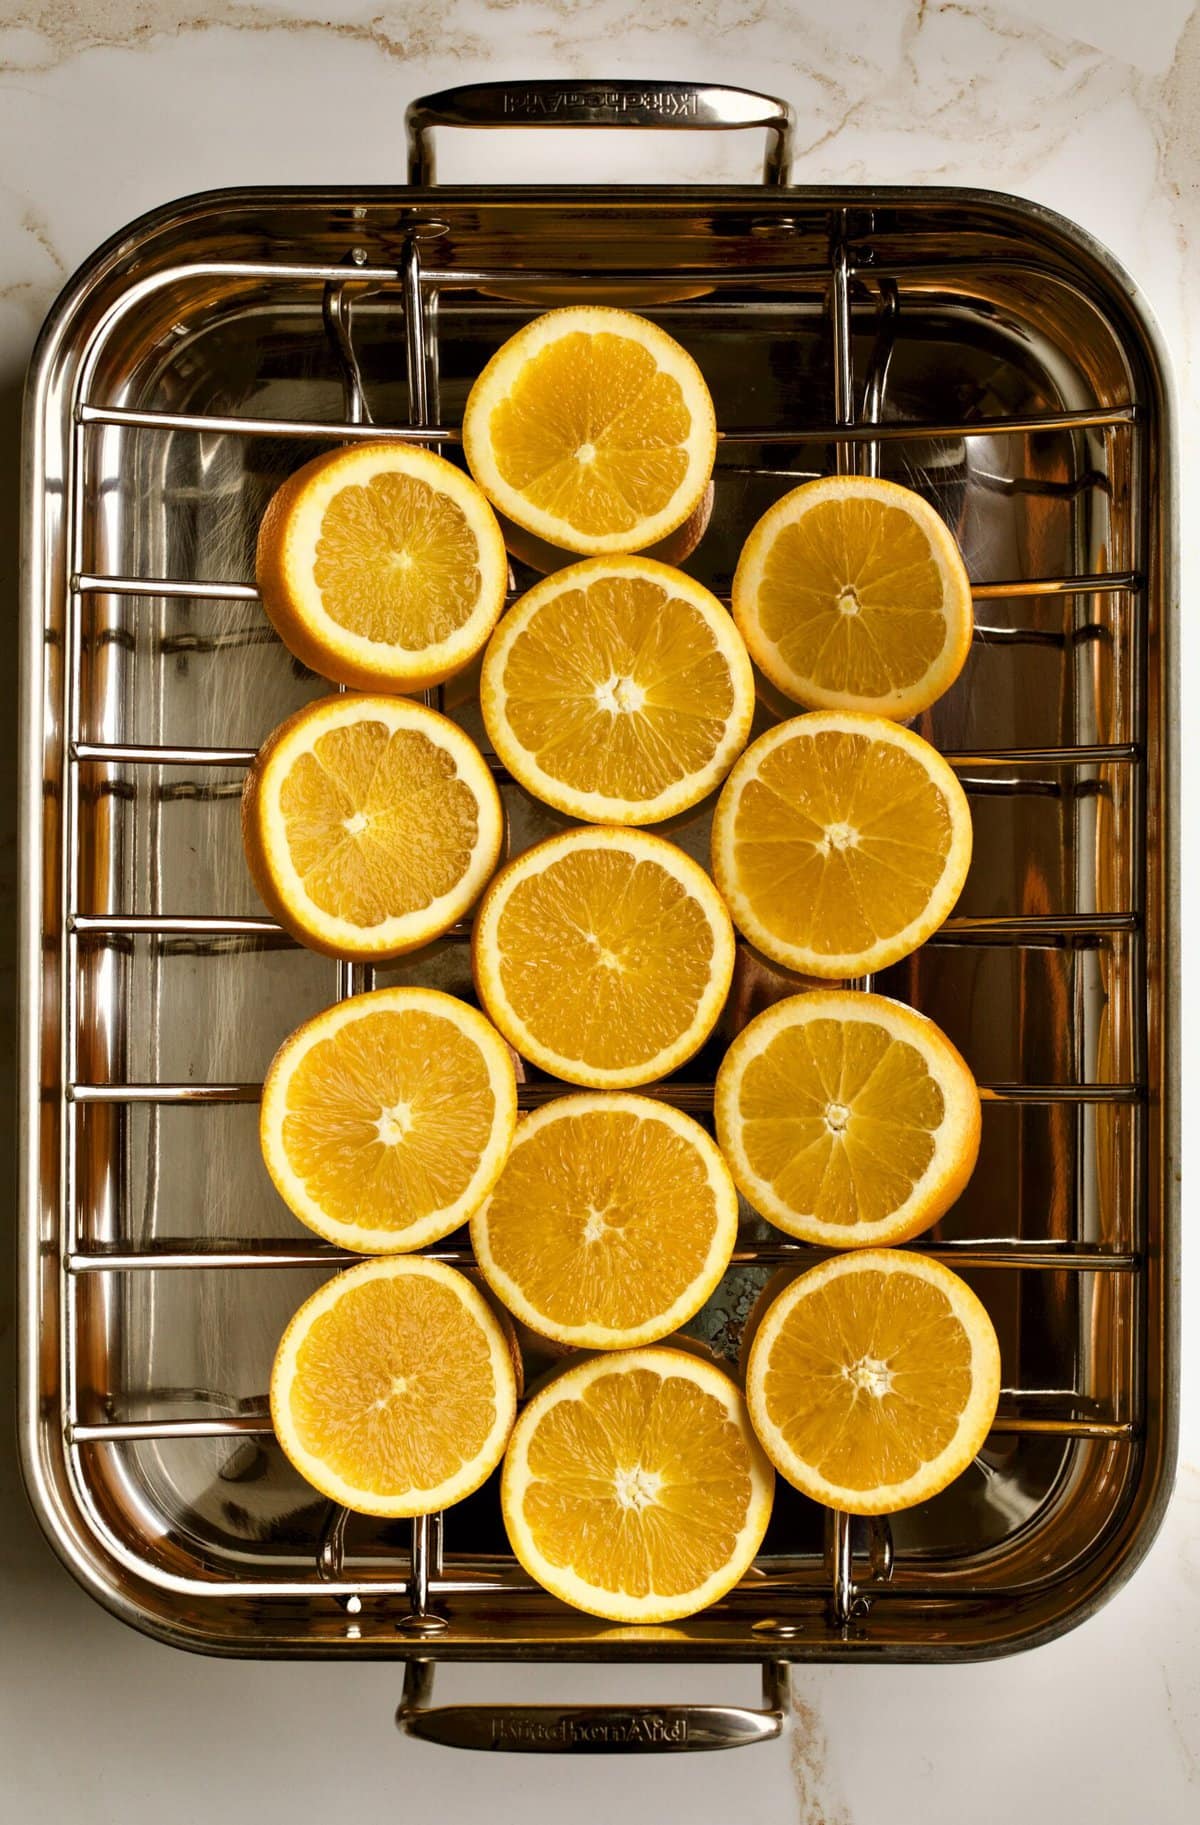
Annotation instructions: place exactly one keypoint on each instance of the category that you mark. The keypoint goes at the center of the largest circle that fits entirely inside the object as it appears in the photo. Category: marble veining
(817, 1788)
(950, 92)
(68, 30)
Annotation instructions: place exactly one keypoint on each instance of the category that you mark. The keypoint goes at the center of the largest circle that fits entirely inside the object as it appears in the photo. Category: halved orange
(873, 1380)
(634, 1487)
(851, 594)
(593, 429)
(618, 690)
(604, 956)
(611, 1223)
(840, 843)
(370, 825)
(674, 549)
(847, 1119)
(393, 1390)
(386, 1120)
(382, 566)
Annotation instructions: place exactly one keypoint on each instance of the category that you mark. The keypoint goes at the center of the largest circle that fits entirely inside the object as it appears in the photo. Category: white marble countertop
(1091, 106)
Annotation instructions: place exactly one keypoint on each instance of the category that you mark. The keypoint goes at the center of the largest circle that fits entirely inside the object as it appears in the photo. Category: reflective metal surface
(620, 103)
(973, 347)
(592, 1729)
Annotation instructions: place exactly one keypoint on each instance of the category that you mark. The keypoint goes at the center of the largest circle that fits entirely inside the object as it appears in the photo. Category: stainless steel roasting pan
(976, 347)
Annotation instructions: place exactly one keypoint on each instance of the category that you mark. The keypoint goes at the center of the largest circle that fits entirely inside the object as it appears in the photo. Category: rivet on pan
(770, 1625)
(427, 230)
(422, 1625)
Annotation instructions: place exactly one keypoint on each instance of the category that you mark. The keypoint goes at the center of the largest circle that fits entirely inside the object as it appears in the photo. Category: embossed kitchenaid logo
(578, 1732)
(673, 105)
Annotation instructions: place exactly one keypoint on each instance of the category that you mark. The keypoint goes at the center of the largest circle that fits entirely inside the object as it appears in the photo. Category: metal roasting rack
(861, 272)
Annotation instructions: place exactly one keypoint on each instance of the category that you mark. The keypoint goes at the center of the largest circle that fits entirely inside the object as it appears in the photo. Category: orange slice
(847, 1119)
(852, 595)
(873, 1380)
(382, 566)
(604, 956)
(611, 1223)
(593, 429)
(634, 1487)
(675, 549)
(618, 691)
(393, 1390)
(840, 842)
(370, 825)
(386, 1120)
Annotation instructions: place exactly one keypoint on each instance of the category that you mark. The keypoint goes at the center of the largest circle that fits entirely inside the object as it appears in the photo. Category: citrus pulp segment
(611, 1223)
(847, 1119)
(370, 825)
(604, 956)
(618, 690)
(840, 842)
(593, 429)
(381, 566)
(851, 594)
(634, 1487)
(873, 1380)
(393, 1390)
(385, 1121)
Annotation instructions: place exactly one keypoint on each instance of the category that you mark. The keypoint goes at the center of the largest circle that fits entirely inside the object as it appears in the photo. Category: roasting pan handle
(592, 1729)
(620, 103)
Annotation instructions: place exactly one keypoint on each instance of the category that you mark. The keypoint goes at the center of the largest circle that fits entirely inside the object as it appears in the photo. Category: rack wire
(428, 1585)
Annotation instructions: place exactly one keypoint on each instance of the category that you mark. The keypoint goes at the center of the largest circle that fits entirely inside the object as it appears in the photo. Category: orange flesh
(378, 823)
(397, 562)
(642, 1484)
(618, 688)
(604, 394)
(868, 880)
(840, 1118)
(606, 958)
(868, 1378)
(388, 1118)
(394, 1387)
(853, 599)
(603, 1218)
